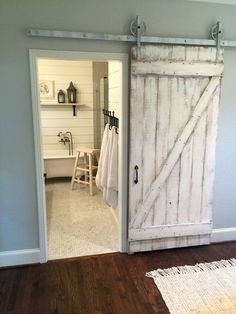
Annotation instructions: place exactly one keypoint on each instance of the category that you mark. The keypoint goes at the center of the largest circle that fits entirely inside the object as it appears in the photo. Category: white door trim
(34, 55)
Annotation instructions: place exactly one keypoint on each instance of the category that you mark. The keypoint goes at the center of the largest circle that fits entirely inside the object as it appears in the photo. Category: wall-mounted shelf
(73, 105)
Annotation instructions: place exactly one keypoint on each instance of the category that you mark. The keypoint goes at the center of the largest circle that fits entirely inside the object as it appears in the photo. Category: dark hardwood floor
(110, 283)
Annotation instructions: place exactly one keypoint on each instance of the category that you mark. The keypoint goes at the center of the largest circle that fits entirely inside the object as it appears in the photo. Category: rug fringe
(188, 269)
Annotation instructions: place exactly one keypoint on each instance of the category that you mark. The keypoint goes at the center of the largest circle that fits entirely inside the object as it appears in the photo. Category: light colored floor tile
(78, 224)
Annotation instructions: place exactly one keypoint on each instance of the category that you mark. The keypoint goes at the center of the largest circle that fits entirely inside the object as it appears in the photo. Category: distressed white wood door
(173, 124)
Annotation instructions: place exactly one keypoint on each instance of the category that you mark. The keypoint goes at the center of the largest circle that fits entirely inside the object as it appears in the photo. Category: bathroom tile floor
(78, 224)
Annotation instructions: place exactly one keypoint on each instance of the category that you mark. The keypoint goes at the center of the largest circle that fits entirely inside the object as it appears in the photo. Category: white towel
(102, 168)
(111, 190)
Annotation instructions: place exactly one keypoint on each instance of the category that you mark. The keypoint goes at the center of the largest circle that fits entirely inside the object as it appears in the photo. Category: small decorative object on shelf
(46, 89)
(71, 93)
(61, 97)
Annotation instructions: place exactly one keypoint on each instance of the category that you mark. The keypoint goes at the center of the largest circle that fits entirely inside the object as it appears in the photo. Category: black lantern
(71, 93)
(61, 97)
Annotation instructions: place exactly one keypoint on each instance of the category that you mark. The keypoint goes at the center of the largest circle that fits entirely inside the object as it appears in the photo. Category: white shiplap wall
(114, 87)
(60, 119)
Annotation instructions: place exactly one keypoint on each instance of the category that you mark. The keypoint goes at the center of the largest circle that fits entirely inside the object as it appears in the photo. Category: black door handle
(136, 174)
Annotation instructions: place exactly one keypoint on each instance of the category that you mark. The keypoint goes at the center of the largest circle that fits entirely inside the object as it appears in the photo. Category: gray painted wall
(18, 204)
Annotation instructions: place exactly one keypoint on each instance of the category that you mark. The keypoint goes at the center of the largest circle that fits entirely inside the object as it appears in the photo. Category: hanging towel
(102, 167)
(111, 190)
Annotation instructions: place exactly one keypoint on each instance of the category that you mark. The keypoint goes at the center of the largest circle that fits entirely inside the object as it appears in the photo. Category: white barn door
(173, 124)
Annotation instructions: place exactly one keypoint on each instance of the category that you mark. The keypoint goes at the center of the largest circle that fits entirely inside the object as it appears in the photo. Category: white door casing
(173, 124)
(36, 54)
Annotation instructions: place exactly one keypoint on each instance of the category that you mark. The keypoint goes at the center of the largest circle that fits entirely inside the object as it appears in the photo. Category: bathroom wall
(60, 118)
(114, 87)
(100, 70)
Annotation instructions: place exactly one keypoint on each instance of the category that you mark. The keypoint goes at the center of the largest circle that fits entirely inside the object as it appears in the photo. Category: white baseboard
(223, 234)
(31, 256)
(19, 257)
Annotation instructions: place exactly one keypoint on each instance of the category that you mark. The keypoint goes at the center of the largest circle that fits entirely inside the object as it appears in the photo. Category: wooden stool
(86, 167)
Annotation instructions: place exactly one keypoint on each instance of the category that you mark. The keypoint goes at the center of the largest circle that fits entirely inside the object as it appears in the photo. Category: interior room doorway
(76, 216)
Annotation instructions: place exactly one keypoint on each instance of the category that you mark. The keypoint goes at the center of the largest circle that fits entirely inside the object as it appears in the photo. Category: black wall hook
(113, 120)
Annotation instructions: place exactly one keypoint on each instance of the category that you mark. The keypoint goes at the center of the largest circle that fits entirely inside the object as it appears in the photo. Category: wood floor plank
(102, 284)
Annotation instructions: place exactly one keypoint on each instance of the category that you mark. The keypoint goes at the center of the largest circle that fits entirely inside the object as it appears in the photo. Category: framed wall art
(47, 89)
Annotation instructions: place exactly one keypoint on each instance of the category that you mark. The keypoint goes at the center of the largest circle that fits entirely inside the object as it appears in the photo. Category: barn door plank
(198, 151)
(209, 162)
(191, 88)
(179, 54)
(175, 126)
(136, 158)
(177, 68)
(149, 131)
(192, 93)
(163, 114)
(170, 231)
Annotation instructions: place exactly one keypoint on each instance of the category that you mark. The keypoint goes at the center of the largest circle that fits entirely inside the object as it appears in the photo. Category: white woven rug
(203, 288)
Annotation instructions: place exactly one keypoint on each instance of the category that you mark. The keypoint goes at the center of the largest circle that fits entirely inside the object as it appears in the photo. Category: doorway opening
(74, 97)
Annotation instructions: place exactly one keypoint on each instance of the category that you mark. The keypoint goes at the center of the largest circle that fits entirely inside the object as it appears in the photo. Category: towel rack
(112, 119)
